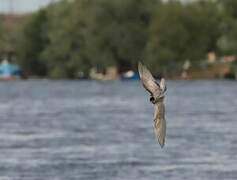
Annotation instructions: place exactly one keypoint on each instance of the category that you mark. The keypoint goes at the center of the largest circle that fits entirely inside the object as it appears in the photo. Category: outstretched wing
(147, 79)
(159, 122)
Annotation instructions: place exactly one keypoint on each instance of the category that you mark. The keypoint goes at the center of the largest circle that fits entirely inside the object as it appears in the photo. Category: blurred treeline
(70, 37)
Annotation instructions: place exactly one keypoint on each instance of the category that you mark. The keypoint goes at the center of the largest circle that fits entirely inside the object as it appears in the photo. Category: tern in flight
(157, 96)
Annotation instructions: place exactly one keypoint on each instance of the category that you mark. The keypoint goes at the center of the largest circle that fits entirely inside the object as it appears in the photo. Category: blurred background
(105, 39)
(72, 106)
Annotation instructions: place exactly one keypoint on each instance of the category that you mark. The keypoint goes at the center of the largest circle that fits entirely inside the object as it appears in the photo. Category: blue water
(87, 130)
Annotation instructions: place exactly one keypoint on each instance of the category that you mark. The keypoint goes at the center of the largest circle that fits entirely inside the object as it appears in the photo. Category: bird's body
(157, 96)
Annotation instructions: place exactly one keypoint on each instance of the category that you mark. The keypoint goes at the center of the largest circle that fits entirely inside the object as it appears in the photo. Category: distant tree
(227, 42)
(85, 34)
(182, 31)
(32, 41)
(1, 35)
(70, 37)
(230, 6)
(64, 55)
(118, 32)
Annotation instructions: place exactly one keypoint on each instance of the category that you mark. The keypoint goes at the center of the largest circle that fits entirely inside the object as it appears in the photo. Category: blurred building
(111, 73)
(130, 75)
(9, 71)
(211, 57)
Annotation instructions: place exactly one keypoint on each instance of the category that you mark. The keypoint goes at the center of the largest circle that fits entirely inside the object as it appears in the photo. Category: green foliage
(1, 34)
(117, 34)
(229, 6)
(179, 32)
(84, 34)
(227, 43)
(32, 42)
(4, 38)
(63, 42)
(69, 37)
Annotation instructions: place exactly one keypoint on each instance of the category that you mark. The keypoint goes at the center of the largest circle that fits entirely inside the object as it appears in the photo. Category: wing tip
(140, 65)
(161, 144)
(163, 84)
(140, 68)
(160, 139)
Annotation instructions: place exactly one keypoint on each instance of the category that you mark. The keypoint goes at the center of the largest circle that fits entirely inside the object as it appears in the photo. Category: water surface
(87, 130)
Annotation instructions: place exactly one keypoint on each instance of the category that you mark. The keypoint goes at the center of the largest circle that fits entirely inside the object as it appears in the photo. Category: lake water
(87, 130)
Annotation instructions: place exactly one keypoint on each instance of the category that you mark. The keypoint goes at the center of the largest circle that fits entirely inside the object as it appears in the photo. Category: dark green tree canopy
(69, 37)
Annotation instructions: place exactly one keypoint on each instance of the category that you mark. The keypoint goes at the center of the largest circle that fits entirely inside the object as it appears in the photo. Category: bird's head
(159, 97)
(152, 100)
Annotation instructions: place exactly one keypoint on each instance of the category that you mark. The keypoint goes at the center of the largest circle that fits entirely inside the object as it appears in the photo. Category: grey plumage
(156, 91)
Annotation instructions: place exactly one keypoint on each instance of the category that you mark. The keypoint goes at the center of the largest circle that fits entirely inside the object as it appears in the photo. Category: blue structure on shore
(9, 71)
(130, 75)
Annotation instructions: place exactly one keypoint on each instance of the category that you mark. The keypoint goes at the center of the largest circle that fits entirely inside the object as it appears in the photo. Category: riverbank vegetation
(69, 38)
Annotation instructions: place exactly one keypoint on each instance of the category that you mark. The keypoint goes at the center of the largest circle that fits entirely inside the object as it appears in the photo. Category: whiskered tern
(157, 96)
